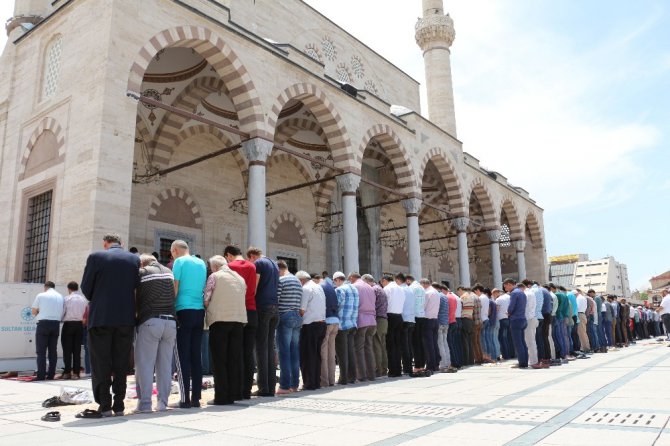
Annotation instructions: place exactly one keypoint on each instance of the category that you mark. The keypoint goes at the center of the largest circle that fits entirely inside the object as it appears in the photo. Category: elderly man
(381, 308)
(48, 311)
(347, 298)
(156, 333)
(289, 298)
(366, 328)
(109, 282)
(74, 311)
(332, 327)
(190, 275)
(226, 315)
(313, 312)
(395, 303)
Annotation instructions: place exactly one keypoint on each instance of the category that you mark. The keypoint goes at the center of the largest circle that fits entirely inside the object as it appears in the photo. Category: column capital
(412, 206)
(349, 183)
(494, 235)
(257, 150)
(520, 245)
(461, 223)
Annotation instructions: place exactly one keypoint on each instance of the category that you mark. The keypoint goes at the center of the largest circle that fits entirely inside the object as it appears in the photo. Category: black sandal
(51, 416)
(89, 413)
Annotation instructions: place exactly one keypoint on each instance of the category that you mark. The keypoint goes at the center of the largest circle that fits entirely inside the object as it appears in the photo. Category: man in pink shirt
(432, 308)
(367, 328)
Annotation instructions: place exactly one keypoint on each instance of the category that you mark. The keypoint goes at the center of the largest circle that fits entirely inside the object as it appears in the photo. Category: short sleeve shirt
(266, 293)
(191, 272)
(247, 270)
(50, 305)
(665, 303)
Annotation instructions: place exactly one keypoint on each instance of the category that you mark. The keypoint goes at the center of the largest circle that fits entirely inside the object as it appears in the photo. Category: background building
(562, 268)
(660, 281)
(604, 276)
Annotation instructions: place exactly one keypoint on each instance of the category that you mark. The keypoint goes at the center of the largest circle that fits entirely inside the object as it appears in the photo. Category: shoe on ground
(180, 405)
(195, 404)
(219, 403)
(281, 392)
(139, 411)
(64, 376)
(537, 366)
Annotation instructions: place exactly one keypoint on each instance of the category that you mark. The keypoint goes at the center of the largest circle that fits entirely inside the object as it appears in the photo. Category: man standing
(347, 299)
(72, 333)
(443, 331)
(366, 329)
(582, 305)
(48, 311)
(156, 333)
(431, 326)
(289, 299)
(467, 314)
(267, 280)
(408, 324)
(394, 343)
(247, 270)
(531, 327)
(454, 334)
(381, 318)
(517, 319)
(109, 282)
(313, 312)
(591, 320)
(479, 318)
(664, 311)
(332, 326)
(504, 337)
(419, 322)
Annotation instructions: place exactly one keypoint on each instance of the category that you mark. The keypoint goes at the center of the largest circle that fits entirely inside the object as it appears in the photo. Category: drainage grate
(523, 414)
(635, 419)
(412, 410)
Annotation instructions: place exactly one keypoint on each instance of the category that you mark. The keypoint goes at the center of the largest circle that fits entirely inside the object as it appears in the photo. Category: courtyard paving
(621, 397)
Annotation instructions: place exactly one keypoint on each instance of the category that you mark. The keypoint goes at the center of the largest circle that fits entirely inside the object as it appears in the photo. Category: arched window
(51, 67)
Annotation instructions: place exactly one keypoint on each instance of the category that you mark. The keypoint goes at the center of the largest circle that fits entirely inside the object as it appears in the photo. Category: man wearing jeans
(502, 305)
(190, 274)
(313, 312)
(381, 318)
(395, 303)
(347, 299)
(366, 328)
(516, 313)
(289, 296)
(156, 333)
(267, 275)
(48, 311)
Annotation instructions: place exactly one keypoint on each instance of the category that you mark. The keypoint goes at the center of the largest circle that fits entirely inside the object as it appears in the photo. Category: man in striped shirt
(156, 333)
(289, 295)
(348, 300)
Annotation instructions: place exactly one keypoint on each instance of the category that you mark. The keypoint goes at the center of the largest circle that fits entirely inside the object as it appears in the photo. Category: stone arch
(284, 157)
(289, 127)
(510, 210)
(221, 57)
(45, 125)
(281, 227)
(397, 154)
(533, 224)
(455, 197)
(179, 204)
(328, 118)
(484, 198)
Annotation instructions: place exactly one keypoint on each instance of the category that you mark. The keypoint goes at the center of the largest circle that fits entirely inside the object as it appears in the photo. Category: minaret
(435, 34)
(27, 13)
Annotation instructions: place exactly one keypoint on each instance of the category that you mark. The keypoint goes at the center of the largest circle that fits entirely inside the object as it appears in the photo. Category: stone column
(494, 237)
(256, 151)
(461, 225)
(348, 184)
(520, 247)
(333, 240)
(412, 206)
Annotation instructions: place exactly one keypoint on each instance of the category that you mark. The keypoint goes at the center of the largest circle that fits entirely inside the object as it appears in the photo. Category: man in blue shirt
(190, 275)
(348, 301)
(267, 274)
(517, 319)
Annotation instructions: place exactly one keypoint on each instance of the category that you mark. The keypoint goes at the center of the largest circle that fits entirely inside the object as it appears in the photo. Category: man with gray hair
(156, 333)
(381, 308)
(367, 327)
(190, 274)
(313, 312)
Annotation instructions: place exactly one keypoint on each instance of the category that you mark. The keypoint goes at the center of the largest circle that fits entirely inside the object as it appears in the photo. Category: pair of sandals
(51, 416)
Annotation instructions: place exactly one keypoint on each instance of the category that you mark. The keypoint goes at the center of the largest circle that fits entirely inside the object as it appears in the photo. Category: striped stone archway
(291, 126)
(45, 125)
(292, 219)
(509, 209)
(397, 155)
(181, 194)
(533, 224)
(482, 195)
(224, 61)
(282, 157)
(455, 198)
(328, 118)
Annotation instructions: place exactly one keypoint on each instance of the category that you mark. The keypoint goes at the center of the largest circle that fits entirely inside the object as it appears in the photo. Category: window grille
(505, 239)
(164, 251)
(51, 68)
(37, 238)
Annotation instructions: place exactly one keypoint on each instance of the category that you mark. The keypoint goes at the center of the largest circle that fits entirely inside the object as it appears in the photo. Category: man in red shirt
(247, 270)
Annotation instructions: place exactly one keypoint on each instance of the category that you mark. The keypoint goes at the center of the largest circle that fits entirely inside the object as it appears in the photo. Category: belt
(582, 312)
(166, 317)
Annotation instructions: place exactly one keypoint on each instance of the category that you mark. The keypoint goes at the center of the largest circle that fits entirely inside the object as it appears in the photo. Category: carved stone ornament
(520, 245)
(434, 29)
(494, 235)
(412, 205)
(257, 149)
(461, 223)
(349, 182)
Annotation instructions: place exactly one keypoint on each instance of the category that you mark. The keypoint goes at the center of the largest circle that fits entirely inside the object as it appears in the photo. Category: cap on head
(303, 275)
(339, 275)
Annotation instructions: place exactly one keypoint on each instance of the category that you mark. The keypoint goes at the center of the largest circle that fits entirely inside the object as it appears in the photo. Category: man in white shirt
(664, 311)
(313, 312)
(75, 307)
(582, 303)
(48, 311)
(504, 335)
(531, 328)
(396, 301)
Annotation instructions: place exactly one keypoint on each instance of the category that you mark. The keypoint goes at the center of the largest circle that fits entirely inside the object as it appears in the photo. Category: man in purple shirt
(381, 306)
(367, 327)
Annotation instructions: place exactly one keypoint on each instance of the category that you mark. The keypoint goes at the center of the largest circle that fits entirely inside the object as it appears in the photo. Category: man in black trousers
(109, 282)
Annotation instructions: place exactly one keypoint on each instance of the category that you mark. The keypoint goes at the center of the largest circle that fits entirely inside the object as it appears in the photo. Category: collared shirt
(563, 310)
(581, 303)
(493, 311)
(366, 304)
(468, 302)
(75, 306)
(443, 312)
(381, 302)
(453, 306)
(573, 302)
(531, 304)
(396, 298)
(347, 298)
(517, 305)
(609, 313)
(554, 303)
(539, 301)
(409, 308)
(419, 299)
(191, 273)
(432, 303)
(289, 293)
(547, 301)
(484, 309)
(590, 306)
(476, 310)
(665, 304)
(459, 306)
(50, 306)
(313, 303)
(502, 302)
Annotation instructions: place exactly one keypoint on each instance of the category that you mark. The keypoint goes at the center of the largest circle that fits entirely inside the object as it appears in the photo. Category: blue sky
(568, 99)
